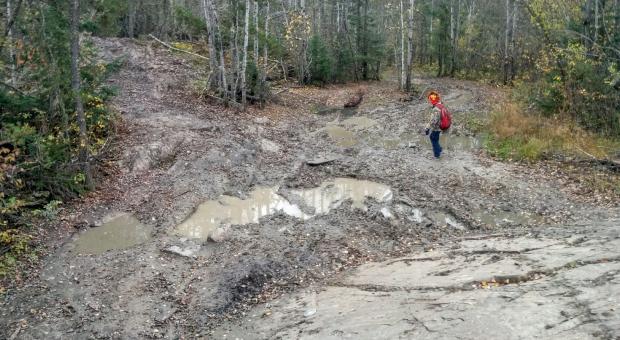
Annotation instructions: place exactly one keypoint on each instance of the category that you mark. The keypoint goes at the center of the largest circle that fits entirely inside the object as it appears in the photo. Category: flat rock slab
(566, 290)
(322, 160)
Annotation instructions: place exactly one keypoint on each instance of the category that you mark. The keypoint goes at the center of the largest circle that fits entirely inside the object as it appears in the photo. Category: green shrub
(321, 62)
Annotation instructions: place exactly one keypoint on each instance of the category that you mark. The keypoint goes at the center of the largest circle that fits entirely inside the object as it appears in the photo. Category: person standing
(440, 121)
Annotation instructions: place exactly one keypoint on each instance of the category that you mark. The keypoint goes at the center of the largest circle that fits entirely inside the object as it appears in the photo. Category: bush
(515, 135)
(582, 90)
(39, 139)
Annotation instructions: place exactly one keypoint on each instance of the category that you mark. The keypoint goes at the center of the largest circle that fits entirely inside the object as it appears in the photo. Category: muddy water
(343, 112)
(453, 142)
(444, 219)
(341, 136)
(121, 232)
(234, 211)
(503, 218)
(332, 194)
(359, 123)
(262, 202)
(342, 133)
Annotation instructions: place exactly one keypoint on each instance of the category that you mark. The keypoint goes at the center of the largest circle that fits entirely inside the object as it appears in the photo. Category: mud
(177, 151)
(341, 136)
(330, 195)
(120, 232)
(228, 211)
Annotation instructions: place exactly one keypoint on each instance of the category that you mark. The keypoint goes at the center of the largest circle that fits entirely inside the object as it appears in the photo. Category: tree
(77, 91)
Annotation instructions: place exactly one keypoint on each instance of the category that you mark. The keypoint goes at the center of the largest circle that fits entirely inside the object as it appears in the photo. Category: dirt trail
(177, 152)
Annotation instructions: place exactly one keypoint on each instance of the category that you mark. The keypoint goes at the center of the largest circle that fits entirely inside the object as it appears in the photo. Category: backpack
(446, 117)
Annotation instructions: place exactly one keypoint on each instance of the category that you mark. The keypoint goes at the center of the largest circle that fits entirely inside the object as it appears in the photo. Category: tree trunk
(212, 48)
(131, 18)
(596, 21)
(409, 46)
(365, 38)
(265, 47)
(256, 51)
(403, 76)
(617, 20)
(431, 39)
(9, 16)
(244, 64)
(513, 45)
(454, 27)
(77, 91)
(506, 42)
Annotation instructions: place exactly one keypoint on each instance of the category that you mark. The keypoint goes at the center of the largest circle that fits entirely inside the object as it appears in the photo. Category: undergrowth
(516, 135)
(39, 143)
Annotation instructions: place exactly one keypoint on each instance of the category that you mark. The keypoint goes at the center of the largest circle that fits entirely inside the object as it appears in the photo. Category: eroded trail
(276, 206)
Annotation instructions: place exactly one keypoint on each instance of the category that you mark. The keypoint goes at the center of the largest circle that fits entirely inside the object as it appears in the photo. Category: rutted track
(178, 152)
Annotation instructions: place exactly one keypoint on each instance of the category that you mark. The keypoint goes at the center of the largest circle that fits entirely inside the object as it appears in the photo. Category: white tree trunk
(256, 51)
(9, 16)
(212, 45)
(131, 18)
(402, 46)
(409, 46)
(244, 64)
(266, 45)
(338, 17)
(513, 45)
(596, 21)
(506, 42)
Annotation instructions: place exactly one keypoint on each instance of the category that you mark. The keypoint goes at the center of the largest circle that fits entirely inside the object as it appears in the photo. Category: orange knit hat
(433, 97)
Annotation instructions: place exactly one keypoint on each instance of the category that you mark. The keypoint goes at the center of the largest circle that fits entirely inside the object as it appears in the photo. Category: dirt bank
(177, 151)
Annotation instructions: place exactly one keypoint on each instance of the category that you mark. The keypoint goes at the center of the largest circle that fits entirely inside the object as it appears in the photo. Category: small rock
(219, 235)
(189, 251)
(269, 146)
(261, 120)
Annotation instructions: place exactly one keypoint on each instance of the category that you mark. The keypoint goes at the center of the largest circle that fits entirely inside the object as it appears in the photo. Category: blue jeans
(435, 141)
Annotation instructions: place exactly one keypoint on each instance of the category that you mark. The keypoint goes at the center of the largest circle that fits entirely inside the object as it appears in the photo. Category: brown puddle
(359, 123)
(262, 202)
(121, 232)
(341, 136)
(230, 210)
(342, 133)
(332, 194)
(503, 218)
(447, 220)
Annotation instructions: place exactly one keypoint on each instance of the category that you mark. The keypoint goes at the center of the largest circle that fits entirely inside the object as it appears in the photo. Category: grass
(516, 135)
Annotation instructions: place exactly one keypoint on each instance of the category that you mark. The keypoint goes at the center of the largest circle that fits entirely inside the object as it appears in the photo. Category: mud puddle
(506, 218)
(332, 194)
(445, 220)
(359, 123)
(262, 202)
(228, 210)
(342, 137)
(120, 232)
(343, 112)
(344, 133)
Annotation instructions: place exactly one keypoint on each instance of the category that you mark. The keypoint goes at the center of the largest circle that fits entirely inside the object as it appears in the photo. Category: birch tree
(409, 46)
(244, 64)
